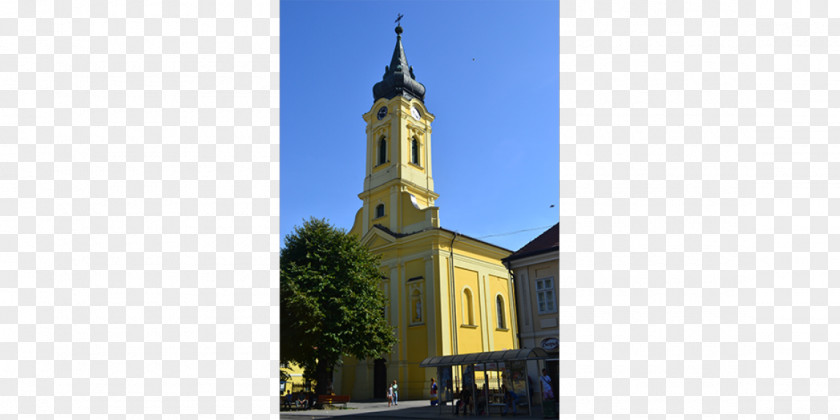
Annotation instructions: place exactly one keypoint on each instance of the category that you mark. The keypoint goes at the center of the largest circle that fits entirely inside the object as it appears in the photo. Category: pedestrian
(510, 400)
(390, 395)
(466, 398)
(433, 392)
(396, 394)
(481, 400)
(287, 401)
(457, 404)
(548, 395)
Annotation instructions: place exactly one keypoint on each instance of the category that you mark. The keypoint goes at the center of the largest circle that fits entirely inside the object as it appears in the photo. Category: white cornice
(535, 259)
(402, 182)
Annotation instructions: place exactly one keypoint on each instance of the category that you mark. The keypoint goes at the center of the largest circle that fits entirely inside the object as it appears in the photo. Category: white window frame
(545, 295)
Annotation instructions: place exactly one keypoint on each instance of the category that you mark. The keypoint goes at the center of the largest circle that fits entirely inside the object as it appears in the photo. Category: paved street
(405, 410)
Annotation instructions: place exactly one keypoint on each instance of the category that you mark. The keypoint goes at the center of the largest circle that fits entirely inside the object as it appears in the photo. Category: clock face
(415, 113)
(382, 113)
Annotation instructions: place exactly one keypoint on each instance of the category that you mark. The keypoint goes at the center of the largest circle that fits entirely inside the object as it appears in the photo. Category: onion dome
(398, 79)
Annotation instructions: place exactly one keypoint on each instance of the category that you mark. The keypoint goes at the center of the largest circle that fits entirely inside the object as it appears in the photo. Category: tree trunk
(322, 376)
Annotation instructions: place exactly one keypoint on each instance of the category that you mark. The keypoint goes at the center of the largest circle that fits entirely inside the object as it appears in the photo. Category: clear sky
(491, 74)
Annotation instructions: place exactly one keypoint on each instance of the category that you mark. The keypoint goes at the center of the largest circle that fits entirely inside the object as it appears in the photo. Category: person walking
(395, 393)
(548, 395)
(390, 395)
(433, 393)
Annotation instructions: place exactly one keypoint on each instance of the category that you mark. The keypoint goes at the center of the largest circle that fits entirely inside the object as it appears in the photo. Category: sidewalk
(416, 409)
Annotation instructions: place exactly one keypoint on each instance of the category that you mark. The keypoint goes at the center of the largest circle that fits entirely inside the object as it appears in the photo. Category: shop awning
(486, 357)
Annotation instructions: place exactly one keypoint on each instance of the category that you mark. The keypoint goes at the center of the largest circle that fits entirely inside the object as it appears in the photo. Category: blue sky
(491, 74)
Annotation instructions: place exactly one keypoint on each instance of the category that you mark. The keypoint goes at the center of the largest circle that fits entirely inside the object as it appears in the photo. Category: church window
(545, 295)
(467, 307)
(415, 152)
(383, 151)
(380, 211)
(500, 312)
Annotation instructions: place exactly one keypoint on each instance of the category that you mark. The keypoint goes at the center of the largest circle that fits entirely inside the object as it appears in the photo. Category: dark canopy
(486, 357)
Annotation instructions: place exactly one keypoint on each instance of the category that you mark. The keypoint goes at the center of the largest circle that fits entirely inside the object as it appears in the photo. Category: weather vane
(399, 16)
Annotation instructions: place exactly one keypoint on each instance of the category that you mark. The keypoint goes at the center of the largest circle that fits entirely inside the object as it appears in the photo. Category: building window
(415, 152)
(416, 307)
(383, 151)
(467, 307)
(545, 295)
(380, 211)
(500, 312)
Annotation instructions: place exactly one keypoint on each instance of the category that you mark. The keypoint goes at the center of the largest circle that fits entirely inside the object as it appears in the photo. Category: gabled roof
(452, 232)
(390, 232)
(548, 241)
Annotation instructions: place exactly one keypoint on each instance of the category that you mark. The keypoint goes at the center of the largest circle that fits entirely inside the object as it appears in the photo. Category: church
(446, 293)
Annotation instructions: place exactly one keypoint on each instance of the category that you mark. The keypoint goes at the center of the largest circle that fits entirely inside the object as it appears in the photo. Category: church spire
(398, 79)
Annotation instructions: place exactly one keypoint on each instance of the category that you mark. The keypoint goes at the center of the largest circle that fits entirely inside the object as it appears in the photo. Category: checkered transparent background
(138, 208)
(700, 209)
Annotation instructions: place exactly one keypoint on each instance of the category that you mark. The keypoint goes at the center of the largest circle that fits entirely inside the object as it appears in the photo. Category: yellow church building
(446, 293)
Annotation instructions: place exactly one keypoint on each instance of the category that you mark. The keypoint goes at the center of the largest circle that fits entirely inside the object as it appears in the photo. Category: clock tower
(398, 191)
(445, 293)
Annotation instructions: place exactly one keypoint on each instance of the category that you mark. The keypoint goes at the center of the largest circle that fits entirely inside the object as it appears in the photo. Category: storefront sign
(550, 344)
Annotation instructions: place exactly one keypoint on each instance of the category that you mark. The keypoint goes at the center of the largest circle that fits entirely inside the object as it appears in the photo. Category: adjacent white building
(536, 268)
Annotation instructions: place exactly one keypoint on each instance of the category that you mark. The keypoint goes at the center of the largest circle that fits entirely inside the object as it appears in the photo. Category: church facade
(446, 293)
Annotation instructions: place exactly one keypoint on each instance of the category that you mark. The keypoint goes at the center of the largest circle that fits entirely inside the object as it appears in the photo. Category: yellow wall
(416, 347)
(348, 375)
(414, 268)
(469, 335)
(380, 197)
(296, 381)
(424, 257)
(502, 338)
(410, 217)
(417, 259)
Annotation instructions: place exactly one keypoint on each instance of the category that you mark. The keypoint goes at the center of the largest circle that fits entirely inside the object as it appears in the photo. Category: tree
(330, 301)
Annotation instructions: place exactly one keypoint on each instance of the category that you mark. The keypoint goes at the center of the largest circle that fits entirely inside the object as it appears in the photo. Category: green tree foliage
(330, 302)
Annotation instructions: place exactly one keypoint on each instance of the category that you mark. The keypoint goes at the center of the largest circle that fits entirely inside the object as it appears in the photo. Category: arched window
(500, 312)
(415, 152)
(380, 211)
(467, 308)
(383, 151)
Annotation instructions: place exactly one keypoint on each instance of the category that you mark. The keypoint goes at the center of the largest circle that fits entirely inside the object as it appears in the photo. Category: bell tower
(398, 160)
(445, 293)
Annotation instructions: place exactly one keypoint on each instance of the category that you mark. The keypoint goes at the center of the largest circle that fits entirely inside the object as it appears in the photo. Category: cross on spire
(399, 16)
